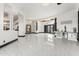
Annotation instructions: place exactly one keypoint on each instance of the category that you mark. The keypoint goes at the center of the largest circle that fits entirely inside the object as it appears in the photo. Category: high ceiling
(40, 10)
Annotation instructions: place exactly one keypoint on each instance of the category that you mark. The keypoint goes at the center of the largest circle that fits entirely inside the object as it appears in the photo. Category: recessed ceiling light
(45, 4)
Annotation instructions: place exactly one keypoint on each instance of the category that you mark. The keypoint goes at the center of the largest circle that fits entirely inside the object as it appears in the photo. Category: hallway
(41, 45)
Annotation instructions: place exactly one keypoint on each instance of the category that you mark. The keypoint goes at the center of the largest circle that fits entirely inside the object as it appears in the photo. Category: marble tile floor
(41, 45)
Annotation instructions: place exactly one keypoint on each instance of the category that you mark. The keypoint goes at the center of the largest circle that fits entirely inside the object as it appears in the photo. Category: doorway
(48, 28)
(28, 28)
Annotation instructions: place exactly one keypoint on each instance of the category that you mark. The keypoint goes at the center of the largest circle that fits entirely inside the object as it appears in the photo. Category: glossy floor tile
(41, 45)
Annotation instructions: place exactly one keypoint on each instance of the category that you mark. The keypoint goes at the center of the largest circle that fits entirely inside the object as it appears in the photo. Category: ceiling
(42, 10)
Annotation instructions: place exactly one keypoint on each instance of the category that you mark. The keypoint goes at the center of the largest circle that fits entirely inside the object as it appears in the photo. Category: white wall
(68, 16)
(33, 25)
(51, 22)
(71, 16)
(38, 11)
(6, 35)
(21, 26)
(1, 17)
(41, 26)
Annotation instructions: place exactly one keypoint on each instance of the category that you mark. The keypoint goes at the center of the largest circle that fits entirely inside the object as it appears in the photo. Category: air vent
(59, 3)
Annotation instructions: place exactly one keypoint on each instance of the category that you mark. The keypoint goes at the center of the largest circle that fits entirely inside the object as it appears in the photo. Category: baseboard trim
(8, 43)
(36, 33)
(21, 35)
(41, 32)
(31, 33)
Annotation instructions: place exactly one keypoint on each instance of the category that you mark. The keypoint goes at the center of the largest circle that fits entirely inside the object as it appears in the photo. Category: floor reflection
(41, 45)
